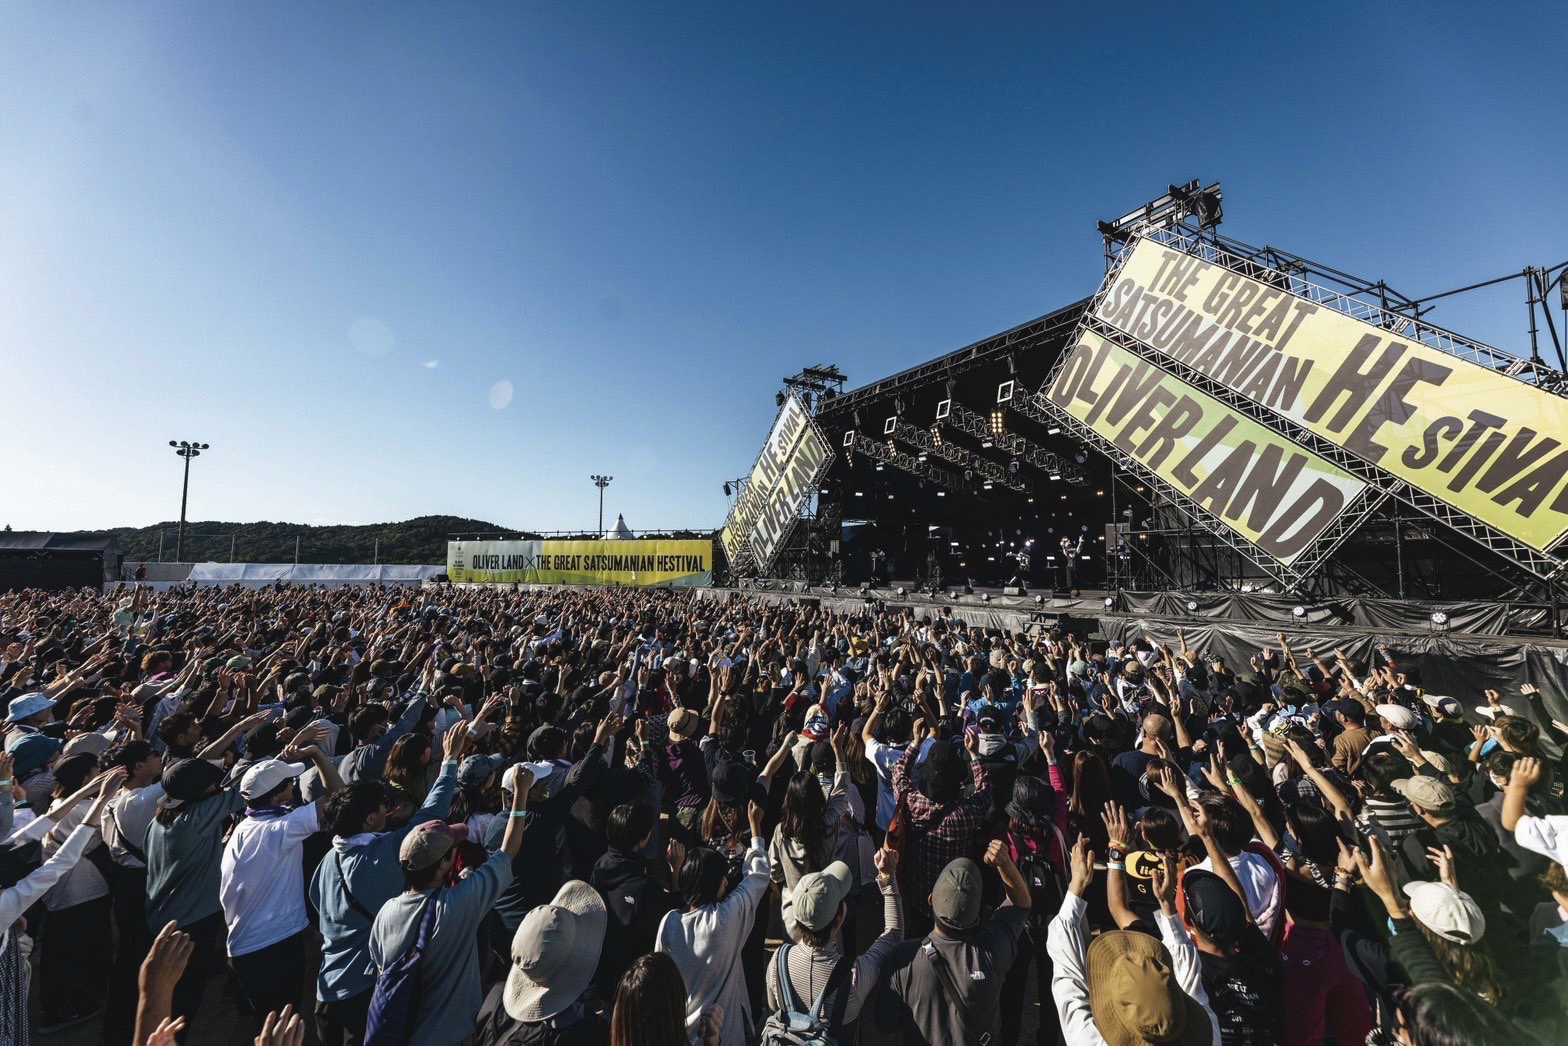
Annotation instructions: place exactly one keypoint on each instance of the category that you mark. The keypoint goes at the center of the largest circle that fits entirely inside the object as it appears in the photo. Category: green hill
(421, 540)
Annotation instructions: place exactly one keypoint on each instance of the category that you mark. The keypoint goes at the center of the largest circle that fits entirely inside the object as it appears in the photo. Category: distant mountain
(421, 540)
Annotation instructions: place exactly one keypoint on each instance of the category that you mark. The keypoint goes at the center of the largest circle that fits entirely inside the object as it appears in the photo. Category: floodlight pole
(186, 450)
(601, 482)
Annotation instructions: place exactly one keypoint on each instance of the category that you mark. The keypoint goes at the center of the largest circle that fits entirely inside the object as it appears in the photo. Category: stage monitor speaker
(1014, 590)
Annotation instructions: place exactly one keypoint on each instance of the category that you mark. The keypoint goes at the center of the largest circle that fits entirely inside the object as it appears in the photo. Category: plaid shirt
(940, 833)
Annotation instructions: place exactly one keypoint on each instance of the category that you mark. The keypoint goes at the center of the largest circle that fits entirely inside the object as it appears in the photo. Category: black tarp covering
(1459, 666)
(1482, 618)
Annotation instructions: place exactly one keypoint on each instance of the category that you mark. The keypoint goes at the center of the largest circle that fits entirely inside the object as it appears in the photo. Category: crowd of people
(441, 815)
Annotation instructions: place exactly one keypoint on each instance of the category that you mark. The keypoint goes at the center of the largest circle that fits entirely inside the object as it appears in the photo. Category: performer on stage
(1070, 554)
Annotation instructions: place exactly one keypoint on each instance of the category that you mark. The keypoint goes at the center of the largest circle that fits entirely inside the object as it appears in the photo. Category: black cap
(189, 780)
(1214, 908)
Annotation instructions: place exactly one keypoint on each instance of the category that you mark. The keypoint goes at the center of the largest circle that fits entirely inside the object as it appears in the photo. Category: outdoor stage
(1293, 430)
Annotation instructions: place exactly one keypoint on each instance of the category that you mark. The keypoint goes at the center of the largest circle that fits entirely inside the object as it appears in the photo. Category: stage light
(936, 435)
(921, 456)
(726, 490)
(860, 494)
(1012, 466)
(1053, 430)
(998, 422)
(1039, 601)
(1298, 611)
(987, 484)
(1192, 605)
(1439, 618)
(864, 588)
(1109, 602)
(941, 493)
(1080, 457)
(1056, 475)
(986, 444)
(779, 398)
(901, 591)
(969, 475)
(879, 466)
(952, 595)
(985, 597)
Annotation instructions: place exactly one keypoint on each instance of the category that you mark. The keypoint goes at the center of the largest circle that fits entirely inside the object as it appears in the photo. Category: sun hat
(1429, 793)
(683, 724)
(30, 751)
(555, 953)
(1398, 716)
(955, 899)
(818, 896)
(27, 706)
(267, 776)
(427, 844)
(1451, 914)
(1439, 761)
(1133, 995)
(95, 743)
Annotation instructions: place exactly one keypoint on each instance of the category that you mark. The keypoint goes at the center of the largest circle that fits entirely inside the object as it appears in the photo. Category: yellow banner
(628, 564)
(1488, 445)
(1267, 489)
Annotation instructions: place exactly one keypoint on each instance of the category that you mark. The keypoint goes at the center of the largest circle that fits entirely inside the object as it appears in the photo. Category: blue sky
(399, 259)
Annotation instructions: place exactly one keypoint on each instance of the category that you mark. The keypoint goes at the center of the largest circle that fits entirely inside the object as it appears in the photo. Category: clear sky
(398, 259)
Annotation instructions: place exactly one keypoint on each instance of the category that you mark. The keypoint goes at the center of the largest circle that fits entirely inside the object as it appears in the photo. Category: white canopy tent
(619, 532)
(332, 575)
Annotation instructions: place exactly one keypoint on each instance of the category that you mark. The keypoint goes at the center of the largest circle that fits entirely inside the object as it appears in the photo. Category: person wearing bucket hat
(683, 770)
(449, 985)
(554, 954)
(32, 755)
(949, 988)
(1128, 988)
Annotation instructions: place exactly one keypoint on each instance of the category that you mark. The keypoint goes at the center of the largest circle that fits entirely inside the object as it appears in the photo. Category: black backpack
(1047, 886)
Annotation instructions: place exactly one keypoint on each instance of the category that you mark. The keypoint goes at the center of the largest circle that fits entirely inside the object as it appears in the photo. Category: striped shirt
(809, 968)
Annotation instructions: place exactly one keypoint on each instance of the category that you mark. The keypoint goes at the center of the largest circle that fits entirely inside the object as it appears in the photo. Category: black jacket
(637, 903)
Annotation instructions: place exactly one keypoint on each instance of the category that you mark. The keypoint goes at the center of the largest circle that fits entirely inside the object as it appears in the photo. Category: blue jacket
(374, 877)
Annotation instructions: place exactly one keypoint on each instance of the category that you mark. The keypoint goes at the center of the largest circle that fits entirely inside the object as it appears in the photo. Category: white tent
(260, 575)
(619, 532)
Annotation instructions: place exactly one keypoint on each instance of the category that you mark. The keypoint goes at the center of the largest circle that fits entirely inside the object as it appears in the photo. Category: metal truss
(1287, 273)
(1071, 471)
(966, 420)
(1036, 334)
(885, 452)
(963, 457)
(1540, 565)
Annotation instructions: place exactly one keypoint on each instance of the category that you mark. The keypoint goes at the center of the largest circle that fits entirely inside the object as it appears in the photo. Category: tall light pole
(186, 451)
(601, 482)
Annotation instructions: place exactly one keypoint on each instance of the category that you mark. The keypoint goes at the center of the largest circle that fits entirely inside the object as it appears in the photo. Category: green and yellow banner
(1272, 492)
(1487, 444)
(792, 462)
(626, 564)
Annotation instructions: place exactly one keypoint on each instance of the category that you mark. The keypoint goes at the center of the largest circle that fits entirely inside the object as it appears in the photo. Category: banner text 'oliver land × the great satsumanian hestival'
(632, 564)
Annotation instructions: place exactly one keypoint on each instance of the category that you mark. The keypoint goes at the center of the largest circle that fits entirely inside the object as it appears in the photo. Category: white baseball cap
(267, 776)
(1451, 914)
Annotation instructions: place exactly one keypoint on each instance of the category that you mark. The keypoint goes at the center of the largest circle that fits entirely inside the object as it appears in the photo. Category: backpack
(793, 1028)
(1047, 887)
(396, 994)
